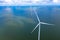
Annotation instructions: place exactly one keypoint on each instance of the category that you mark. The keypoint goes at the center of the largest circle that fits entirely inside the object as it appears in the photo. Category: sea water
(17, 22)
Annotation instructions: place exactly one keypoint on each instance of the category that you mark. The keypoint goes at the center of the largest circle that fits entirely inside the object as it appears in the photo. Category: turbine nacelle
(40, 24)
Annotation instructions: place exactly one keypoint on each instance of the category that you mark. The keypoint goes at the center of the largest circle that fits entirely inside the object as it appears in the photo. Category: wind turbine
(39, 24)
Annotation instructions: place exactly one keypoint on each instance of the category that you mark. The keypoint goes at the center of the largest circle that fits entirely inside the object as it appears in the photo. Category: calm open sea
(17, 22)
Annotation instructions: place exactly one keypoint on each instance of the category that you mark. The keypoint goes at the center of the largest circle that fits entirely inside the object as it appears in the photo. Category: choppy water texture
(17, 22)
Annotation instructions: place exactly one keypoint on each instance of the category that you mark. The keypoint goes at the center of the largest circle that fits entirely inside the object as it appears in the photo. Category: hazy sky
(27, 2)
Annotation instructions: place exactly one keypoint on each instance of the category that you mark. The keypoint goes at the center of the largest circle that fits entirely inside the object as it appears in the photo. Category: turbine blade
(46, 23)
(35, 27)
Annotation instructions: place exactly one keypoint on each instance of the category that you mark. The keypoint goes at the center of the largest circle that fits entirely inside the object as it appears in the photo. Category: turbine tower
(39, 24)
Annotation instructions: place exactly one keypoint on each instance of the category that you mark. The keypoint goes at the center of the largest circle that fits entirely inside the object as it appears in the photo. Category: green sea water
(16, 23)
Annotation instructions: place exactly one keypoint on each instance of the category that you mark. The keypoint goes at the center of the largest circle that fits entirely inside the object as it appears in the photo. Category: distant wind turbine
(39, 24)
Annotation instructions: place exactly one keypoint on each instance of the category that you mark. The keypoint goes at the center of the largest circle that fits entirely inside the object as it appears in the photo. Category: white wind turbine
(39, 24)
